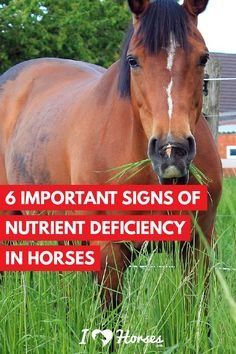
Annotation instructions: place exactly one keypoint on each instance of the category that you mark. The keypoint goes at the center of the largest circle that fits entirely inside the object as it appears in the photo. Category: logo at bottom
(121, 336)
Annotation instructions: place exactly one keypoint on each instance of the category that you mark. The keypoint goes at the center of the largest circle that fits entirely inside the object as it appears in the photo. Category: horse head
(162, 73)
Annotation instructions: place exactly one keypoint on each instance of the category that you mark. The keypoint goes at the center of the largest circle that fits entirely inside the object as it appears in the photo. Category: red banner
(50, 258)
(103, 197)
(96, 227)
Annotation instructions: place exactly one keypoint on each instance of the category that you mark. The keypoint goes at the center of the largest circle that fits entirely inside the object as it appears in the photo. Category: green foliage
(87, 30)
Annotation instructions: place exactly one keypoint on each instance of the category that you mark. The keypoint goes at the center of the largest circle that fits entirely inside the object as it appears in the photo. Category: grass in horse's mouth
(131, 169)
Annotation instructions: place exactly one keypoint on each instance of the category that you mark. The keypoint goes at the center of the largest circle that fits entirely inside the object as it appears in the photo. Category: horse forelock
(162, 22)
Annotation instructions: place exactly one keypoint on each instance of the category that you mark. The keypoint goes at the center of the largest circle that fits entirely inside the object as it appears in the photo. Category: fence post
(211, 101)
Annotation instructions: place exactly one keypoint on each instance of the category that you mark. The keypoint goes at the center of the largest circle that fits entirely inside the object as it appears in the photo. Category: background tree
(88, 30)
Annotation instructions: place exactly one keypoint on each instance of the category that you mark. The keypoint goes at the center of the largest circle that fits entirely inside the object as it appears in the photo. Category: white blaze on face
(170, 61)
(171, 53)
(169, 98)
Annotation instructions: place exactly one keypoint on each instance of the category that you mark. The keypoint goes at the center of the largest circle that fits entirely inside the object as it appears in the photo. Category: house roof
(228, 87)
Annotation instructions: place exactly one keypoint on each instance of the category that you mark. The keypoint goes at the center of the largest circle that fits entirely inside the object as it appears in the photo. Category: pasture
(46, 312)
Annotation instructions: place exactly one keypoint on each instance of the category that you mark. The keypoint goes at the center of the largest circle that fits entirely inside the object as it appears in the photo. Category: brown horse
(62, 120)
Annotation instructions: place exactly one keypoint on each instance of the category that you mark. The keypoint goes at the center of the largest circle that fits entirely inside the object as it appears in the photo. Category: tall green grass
(46, 312)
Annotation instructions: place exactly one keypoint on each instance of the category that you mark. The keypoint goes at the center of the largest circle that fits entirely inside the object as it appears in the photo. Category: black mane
(162, 20)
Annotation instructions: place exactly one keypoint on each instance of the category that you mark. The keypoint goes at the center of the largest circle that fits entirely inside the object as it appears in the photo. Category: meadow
(46, 312)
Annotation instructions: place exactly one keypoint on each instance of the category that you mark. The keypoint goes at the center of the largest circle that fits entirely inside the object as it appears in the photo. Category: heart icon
(107, 334)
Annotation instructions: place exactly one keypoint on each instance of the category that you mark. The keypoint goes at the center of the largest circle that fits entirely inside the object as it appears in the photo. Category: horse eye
(133, 62)
(204, 59)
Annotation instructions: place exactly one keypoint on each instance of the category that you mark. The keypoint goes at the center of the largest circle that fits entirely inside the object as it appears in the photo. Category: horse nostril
(153, 147)
(191, 147)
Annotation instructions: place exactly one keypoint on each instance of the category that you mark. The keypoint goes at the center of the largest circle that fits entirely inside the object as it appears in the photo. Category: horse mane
(163, 21)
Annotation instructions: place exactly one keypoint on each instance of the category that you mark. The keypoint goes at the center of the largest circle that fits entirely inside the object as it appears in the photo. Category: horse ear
(138, 6)
(195, 7)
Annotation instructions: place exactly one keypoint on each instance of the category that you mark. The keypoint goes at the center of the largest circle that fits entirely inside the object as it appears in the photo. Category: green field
(45, 313)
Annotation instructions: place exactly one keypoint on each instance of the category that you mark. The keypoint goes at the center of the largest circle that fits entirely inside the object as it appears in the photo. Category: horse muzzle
(171, 159)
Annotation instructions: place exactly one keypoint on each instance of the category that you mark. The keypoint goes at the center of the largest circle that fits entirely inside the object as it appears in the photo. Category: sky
(218, 26)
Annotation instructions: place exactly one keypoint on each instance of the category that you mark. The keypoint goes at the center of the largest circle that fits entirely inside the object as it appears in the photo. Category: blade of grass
(131, 170)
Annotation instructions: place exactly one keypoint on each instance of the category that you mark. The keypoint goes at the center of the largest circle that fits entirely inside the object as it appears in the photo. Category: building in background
(227, 119)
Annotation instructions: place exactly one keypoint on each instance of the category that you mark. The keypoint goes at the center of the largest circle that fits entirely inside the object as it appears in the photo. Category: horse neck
(119, 117)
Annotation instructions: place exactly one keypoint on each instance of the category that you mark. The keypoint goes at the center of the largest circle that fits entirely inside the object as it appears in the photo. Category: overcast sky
(218, 26)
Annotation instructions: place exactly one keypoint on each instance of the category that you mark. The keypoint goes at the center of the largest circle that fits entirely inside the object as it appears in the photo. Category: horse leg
(115, 258)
